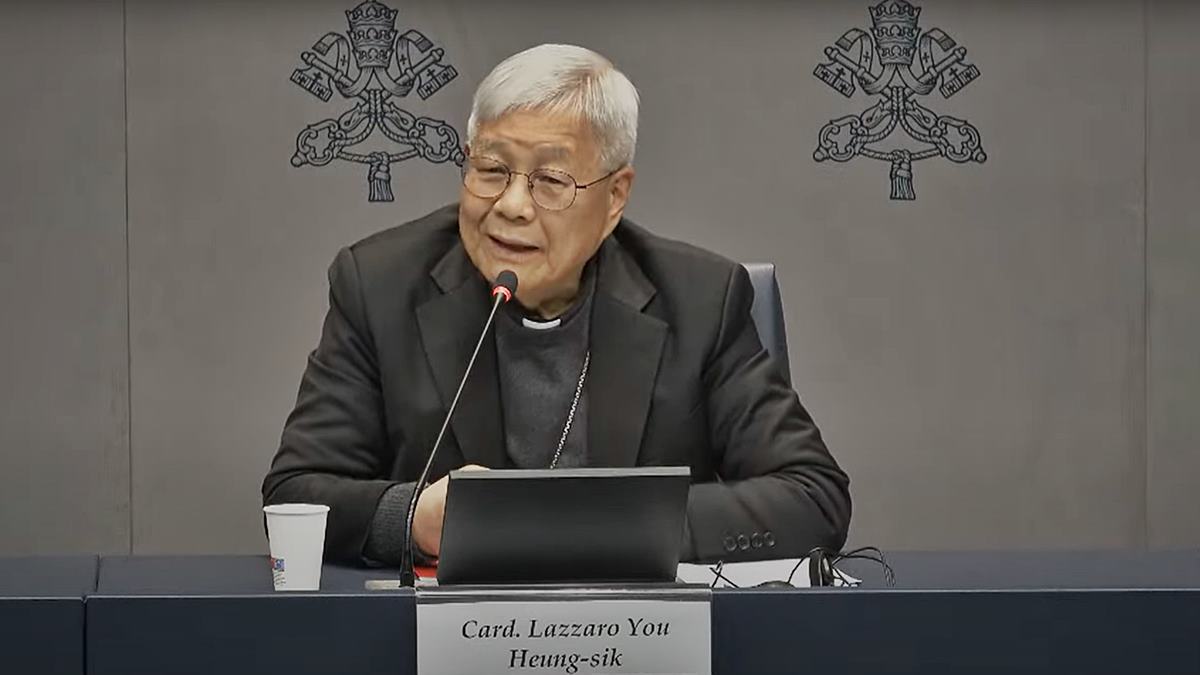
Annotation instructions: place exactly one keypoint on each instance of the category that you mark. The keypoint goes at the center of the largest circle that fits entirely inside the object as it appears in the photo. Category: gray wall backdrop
(1007, 362)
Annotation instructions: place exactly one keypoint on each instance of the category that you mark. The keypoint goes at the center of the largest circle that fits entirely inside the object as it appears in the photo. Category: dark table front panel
(976, 612)
(41, 613)
(849, 632)
(950, 613)
(297, 634)
(194, 615)
(1034, 570)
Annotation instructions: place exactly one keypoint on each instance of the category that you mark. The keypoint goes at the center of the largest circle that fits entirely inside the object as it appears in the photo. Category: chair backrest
(767, 312)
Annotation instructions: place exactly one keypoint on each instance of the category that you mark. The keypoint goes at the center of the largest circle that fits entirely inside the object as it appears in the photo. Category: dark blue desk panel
(950, 613)
(219, 614)
(1052, 632)
(1004, 612)
(1034, 570)
(41, 613)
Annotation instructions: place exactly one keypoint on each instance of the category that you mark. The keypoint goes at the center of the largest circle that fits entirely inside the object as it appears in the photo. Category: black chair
(767, 312)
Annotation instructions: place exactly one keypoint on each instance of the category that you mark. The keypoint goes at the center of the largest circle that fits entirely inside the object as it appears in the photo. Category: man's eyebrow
(491, 146)
(550, 151)
(543, 152)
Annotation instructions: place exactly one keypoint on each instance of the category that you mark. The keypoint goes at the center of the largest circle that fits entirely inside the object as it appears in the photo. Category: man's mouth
(512, 246)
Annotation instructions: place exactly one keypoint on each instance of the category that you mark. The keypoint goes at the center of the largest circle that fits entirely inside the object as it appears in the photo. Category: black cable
(839, 575)
(807, 557)
(720, 577)
(889, 575)
(828, 559)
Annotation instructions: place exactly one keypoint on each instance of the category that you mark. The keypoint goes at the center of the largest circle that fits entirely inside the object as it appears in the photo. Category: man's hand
(431, 510)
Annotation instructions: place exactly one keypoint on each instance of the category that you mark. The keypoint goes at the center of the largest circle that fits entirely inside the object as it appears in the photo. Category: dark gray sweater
(540, 363)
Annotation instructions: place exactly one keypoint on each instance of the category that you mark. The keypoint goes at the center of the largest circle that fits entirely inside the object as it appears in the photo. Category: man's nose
(516, 203)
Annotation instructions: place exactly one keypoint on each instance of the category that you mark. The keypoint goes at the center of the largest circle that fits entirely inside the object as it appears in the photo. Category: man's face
(547, 249)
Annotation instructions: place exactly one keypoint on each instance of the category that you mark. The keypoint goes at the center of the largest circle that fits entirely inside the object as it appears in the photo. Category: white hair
(564, 79)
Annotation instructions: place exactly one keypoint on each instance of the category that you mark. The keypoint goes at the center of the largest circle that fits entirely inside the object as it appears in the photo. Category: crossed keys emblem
(373, 65)
(881, 62)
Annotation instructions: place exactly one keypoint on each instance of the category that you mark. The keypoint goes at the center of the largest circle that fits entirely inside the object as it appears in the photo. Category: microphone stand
(502, 293)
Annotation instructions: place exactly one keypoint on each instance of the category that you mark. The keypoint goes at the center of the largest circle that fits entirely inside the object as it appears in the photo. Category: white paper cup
(297, 536)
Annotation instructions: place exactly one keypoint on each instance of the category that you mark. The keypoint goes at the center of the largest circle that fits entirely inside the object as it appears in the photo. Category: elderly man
(623, 349)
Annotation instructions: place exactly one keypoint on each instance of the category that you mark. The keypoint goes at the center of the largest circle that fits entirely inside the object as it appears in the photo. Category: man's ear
(618, 196)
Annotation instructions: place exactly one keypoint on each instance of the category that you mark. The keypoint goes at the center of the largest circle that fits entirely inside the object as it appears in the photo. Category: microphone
(506, 285)
(502, 291)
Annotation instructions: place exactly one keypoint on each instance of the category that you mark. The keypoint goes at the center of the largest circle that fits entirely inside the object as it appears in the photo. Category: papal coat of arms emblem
(895, 64)
(373, 65)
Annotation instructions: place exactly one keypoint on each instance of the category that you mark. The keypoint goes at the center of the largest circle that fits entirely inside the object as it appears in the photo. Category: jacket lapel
(626, 347)
(450, 325)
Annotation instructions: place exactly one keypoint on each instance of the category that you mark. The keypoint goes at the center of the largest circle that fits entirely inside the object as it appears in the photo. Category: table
(42, 613)
(1104, 612)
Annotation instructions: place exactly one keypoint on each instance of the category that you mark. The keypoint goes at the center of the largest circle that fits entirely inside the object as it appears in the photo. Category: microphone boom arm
(503, 292)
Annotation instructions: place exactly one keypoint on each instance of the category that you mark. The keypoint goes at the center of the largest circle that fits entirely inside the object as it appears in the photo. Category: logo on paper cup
(277, 569)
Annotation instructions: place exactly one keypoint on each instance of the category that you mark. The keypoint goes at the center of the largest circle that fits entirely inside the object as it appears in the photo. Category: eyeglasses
(553, 190)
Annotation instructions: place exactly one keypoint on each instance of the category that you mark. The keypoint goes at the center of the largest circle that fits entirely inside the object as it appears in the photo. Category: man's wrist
(385, 541)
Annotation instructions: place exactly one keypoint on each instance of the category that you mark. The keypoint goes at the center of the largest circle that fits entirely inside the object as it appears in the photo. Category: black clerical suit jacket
(678, 377)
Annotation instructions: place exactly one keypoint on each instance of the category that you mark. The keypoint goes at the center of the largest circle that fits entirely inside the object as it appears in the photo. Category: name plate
(568, 631)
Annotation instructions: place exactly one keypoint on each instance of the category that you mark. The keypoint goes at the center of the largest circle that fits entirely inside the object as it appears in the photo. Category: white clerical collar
(540, 325)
